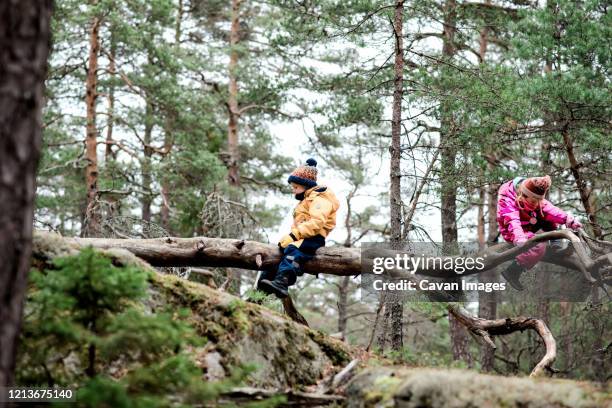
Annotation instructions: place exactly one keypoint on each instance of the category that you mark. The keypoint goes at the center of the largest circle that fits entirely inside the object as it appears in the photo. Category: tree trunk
(92, 220)
(147, 178)
(448, 182)
(112, 68)
(397, 326)
(232, 128)
(588, 201)
(165, 194)
(487, 302)
(459, 341)
(25, 36)
(396, 128)
(492, 232)
(394, 316)
(566, 331)
(600, 327)
(542, 280)
(343, 287)
(343, 293)
(483, 41)
(168, 132)
(480, 220)
(381, 339)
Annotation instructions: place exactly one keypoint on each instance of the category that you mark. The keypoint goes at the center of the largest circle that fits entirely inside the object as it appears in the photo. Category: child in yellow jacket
(313, 219)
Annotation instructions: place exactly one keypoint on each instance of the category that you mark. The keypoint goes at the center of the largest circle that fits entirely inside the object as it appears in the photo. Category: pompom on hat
(305, 175)
(535, 187)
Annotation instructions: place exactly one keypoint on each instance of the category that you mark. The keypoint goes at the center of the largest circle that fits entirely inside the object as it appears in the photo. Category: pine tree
(25, 35)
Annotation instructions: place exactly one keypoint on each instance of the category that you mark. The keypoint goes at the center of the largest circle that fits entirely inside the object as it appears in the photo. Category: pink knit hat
(535, 187)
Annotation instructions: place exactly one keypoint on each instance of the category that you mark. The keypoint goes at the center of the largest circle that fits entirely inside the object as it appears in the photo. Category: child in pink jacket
(522, 210)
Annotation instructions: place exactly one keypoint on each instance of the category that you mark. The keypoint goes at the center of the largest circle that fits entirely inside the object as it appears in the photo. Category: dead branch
(485, 328)
(292, 312)
(334, 382)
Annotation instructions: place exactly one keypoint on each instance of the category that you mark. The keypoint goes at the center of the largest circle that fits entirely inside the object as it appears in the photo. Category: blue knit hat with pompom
(305, 175)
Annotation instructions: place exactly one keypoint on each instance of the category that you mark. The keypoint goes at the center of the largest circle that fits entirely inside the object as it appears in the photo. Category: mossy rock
(284, 353)
(454, 388)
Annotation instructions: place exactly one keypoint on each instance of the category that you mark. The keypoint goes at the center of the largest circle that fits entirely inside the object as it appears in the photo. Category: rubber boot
(279, 286)
(512, 275)
(263, 288)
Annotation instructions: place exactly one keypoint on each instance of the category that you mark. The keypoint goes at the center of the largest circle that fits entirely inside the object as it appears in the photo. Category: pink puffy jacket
(514, 222)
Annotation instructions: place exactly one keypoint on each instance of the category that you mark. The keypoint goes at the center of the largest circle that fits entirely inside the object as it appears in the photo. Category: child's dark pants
(293, 260)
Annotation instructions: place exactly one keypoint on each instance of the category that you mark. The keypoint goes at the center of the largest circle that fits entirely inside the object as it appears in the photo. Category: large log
(222, 252)
(340, 261)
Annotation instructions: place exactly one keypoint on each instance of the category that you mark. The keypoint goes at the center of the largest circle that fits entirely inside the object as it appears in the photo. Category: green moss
(334, 349)
(307, 352)
(426, 387)
(288, 354)
(383, 390)
(236, 310)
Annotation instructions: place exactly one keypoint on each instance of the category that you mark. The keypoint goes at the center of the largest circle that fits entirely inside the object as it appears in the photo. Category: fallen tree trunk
(222, 252)
(340, 261)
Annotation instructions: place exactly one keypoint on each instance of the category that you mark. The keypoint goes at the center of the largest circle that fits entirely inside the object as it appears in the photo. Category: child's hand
(572, 223)
(286, 240)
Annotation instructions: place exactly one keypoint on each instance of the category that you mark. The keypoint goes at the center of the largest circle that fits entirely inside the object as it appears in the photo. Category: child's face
(297, 188)
(529, 203)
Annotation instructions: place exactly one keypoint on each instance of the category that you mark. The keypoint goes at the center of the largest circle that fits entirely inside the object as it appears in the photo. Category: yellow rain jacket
(315, 214)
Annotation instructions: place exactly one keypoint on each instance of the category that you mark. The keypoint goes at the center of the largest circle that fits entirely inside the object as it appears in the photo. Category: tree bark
(222, 252)
(25, 36)
(397, 326)
(395, 314)
(343, 294)
(487, 302)
(483, 41)
(581, 184)
(168, 131)
(92, 220)
(395, 199)
(112, 68)
(448, 182)
(382, 338)
(600, 361)
(480, 220)
(232, 128)
(460, 342)
(147, 178)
